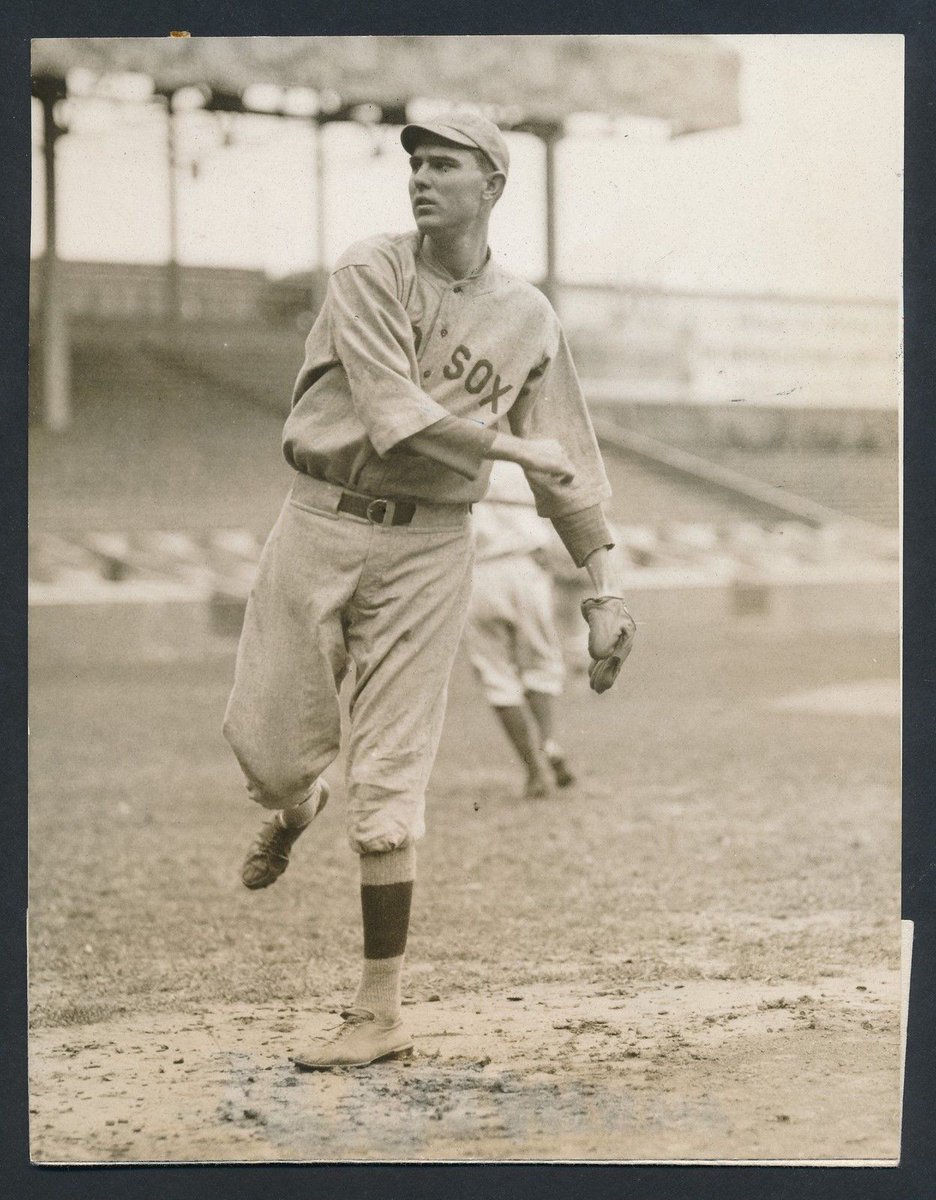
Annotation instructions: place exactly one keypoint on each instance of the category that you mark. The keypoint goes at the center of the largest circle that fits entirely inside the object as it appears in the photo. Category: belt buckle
(377, 510)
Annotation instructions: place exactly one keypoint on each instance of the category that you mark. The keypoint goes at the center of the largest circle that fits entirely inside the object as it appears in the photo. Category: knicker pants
(334, 592)
(512, 638)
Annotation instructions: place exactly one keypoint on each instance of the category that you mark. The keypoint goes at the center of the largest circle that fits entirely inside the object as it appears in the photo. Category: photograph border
(919, 585)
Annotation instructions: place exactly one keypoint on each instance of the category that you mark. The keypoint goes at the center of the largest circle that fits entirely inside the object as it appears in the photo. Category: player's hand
(611, 632)
(545, 456)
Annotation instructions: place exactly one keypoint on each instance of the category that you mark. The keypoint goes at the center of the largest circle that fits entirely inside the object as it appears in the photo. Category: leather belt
(378, 512)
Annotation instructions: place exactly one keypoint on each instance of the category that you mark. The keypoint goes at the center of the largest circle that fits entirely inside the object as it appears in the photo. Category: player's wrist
(604, 579)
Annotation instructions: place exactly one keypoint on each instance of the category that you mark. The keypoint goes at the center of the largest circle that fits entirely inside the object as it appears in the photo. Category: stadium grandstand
(747, 436)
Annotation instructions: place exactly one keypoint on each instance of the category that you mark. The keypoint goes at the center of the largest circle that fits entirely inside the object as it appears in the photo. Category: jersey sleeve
(373, 340)
(454, 442)
(583, 532)
(551, 405)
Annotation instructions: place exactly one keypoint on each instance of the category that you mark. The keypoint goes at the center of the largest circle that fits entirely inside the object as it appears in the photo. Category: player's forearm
(541, 456)
(604, 578)
(462, 444)
(532, 453)
(507, 448)
(453, 442)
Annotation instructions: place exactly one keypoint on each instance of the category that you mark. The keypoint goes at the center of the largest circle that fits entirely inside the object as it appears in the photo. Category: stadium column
(54, 346)
(173, 293)
(551, 134)
(320, 226)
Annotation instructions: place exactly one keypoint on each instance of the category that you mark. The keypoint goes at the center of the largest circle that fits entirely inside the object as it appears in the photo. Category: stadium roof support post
(550, 135)
(321, 231)
(173, 291)
(54, 342)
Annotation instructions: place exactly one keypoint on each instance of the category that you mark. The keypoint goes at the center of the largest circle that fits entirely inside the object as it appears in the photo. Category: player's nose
(419, 176)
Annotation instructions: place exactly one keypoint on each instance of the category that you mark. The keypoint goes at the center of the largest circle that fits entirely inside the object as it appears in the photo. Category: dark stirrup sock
(386, 896)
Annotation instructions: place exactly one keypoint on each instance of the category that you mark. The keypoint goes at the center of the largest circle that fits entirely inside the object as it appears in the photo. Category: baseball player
(426, 363)
(511, 633)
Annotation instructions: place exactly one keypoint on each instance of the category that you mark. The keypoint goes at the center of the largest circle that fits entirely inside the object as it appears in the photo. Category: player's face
(447, 186)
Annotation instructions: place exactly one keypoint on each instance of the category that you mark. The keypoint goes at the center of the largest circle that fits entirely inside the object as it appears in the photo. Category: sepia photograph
(464, 599)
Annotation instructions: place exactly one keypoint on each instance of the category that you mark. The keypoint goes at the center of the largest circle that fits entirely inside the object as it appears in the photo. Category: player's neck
(461, 254)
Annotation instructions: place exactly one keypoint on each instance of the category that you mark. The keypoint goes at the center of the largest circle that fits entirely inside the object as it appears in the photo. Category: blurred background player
(511, 635)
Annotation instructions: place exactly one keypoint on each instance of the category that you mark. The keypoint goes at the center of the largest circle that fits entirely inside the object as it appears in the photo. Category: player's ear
(494, 186)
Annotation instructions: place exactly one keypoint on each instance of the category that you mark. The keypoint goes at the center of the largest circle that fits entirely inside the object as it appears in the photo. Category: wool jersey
(401, 350)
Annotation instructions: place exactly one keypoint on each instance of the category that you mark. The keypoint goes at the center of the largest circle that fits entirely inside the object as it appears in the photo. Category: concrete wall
(653, 346)
(92, 634)
(139, 291)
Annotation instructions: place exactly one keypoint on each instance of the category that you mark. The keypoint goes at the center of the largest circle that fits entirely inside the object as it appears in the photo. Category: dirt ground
(702, 1071)
(692, 955)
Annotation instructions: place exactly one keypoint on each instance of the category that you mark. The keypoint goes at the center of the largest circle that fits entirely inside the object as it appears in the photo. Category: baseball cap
(464, 129)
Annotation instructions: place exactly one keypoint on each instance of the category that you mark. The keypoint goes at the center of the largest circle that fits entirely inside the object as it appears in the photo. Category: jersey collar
(477, 280)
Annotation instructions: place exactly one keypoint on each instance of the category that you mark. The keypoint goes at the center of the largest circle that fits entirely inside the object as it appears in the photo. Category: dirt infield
(706, 1070)
(694, 955)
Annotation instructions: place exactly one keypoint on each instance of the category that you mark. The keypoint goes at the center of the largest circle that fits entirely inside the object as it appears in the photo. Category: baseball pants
(512, 639)
(334, 591)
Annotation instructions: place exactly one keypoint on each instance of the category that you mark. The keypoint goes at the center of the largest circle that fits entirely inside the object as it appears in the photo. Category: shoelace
(272, 835)
(349, 1020)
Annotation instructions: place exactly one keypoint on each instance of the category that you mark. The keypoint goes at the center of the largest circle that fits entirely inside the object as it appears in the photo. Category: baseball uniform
(511, 633)
(407, 374)
(408, 371)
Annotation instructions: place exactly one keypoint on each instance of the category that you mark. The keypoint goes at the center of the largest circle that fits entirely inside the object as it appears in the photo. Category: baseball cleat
(564, 777)
(538, 787)
(269, 855)
(361, 1040)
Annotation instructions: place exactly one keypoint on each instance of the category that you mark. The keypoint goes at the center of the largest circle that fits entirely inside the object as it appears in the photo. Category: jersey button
(443, 333)
(427, 373)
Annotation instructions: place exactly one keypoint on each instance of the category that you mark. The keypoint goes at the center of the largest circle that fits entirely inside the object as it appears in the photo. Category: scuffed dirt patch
(703, 1070)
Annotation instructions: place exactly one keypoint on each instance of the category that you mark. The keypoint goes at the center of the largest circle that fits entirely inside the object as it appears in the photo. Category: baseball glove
(611, 631)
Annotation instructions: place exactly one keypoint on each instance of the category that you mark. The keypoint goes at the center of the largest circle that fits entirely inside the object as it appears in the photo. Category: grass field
(715, 903)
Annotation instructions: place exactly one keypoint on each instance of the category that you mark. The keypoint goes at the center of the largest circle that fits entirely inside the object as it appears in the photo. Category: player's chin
(427, 217)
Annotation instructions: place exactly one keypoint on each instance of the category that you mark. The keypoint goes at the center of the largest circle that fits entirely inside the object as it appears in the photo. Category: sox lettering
(477, 378)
